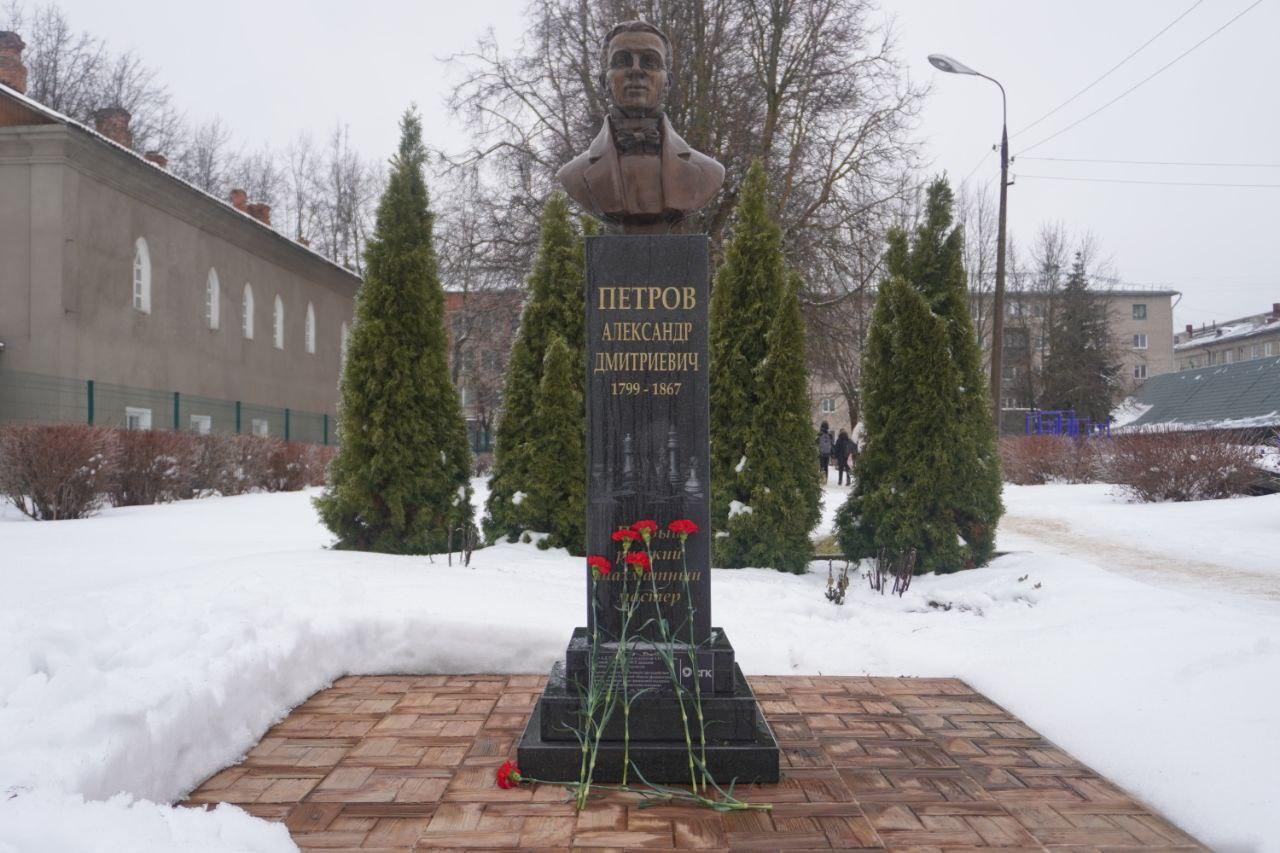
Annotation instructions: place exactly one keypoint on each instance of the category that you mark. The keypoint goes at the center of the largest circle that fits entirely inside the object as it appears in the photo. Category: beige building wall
(1142, 327)
(72, 208)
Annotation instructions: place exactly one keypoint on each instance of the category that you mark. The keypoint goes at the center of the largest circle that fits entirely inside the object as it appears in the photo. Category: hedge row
(1160, 465)
(57, 471)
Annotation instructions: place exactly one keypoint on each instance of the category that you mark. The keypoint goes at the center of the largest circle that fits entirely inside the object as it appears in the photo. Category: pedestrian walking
(844, 448)
(825, 445)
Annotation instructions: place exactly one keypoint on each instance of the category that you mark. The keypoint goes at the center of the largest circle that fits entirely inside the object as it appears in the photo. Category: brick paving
(405, 763)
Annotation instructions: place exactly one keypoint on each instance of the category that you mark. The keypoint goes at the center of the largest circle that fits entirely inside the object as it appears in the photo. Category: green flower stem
(659, 794)
(668, 657)
(585, 737)
(693, 658)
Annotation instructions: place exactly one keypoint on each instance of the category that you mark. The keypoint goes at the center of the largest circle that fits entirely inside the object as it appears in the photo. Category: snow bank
(61, 822)
(1128, 412)
(146, 648)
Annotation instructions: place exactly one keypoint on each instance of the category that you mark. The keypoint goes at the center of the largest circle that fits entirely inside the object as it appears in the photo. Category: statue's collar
(672, 144)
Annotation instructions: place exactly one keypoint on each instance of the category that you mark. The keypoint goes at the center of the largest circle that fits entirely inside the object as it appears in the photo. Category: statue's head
(636, 57)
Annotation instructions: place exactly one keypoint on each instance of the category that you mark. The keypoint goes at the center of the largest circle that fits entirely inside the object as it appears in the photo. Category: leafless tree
(301, 206)
(346, 190)
(977, 212)
(76, 73)
(205, 158)
(813, 87)
(259, 174)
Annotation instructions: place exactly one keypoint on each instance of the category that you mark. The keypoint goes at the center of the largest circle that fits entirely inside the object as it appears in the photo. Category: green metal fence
(37, 397)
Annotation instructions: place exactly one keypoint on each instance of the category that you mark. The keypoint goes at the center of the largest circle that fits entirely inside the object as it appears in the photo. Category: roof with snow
(55, 117)
(1229, 396)
(1246, 327)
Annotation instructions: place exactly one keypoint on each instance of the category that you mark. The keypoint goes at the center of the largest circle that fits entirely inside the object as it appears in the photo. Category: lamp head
(942, 62)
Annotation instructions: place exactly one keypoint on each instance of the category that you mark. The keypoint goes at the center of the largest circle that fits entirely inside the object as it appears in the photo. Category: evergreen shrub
(401, 481)
(554, 309)
(764, 474)
(928, 480)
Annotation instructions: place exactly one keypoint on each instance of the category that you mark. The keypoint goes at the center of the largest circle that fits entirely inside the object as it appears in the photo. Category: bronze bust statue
(638, 173)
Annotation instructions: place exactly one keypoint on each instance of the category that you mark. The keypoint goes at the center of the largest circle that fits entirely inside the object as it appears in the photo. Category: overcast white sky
(274, 67)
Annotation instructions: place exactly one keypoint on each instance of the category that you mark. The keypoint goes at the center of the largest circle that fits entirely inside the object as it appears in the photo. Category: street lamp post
(953, 66)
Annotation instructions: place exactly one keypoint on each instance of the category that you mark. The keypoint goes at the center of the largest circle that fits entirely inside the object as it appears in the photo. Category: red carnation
(683, 527)
(599, 565)
(509, 775)
(625, 534)
(645, 528)
(639, 561)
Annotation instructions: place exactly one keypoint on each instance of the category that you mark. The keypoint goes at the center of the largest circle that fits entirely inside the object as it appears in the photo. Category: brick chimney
(1190, 329)
(239, 200)
(1275, 309)
(12, 72)
(157, 158)
(261, 212)
(113, 123)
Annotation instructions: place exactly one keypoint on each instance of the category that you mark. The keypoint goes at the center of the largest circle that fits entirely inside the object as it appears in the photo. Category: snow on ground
(146, 648)
(1217, 548)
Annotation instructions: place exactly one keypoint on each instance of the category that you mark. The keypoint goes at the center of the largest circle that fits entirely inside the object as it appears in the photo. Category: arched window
(342, 342)
(141, 276)
(277, 323)
(246, 312)
(310, 336)
(212, 291)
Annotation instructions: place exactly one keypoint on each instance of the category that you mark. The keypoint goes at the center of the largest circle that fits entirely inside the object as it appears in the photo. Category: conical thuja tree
(934, 265)
(557, 451)
(400, 483)
(897, 505)
(747, 291)
(554, 307)
(966, 482)
(779, 475)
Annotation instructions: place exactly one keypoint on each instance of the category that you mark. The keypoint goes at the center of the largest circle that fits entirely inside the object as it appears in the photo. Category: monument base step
(660, 762)
(654, 716)
(716, 653)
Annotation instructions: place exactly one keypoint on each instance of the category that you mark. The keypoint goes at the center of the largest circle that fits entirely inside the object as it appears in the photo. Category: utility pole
(954, 66)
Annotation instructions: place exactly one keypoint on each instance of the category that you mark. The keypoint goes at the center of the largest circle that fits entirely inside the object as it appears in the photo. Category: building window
(309, 335)
(828, 405)
(1226, 356)
(465, 396)
(135, 418)
(246, 312)
(201, 424)
(260, 427)
(141, 276)
(1256, 351)
(211, 291)
(1140, 341)
(1139, 371)
(1140, 311)
(277, 324)
(1269, 348)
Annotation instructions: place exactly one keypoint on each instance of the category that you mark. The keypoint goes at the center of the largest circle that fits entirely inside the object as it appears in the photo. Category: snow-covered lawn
(143, 649)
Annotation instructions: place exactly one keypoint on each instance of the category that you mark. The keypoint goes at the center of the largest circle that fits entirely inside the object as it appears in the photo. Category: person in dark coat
(825, 445)
(844, 448)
